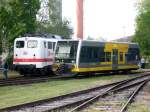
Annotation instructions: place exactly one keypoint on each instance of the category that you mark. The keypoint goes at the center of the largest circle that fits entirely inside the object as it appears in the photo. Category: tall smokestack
(79, 13)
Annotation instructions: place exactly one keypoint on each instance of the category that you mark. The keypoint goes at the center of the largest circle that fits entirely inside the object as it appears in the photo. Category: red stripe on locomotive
(33, 60)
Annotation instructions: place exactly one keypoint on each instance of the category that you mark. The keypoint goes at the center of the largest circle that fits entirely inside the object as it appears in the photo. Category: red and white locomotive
(34, 54)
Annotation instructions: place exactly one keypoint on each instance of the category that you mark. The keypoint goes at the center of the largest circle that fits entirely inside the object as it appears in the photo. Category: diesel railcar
(34, 55)
(82, 56)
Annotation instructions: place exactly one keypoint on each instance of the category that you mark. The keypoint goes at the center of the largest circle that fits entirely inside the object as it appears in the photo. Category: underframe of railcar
(105, 69)
(31, 70)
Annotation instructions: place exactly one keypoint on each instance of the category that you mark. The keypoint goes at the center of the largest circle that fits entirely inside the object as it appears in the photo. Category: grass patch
(11, 74)
(147, 65)
(13, 95)
(139, 108)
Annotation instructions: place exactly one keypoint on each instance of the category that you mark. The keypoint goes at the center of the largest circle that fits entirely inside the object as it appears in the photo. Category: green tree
(17, 17)
(55, 24)
(142, 35)
(55, 11)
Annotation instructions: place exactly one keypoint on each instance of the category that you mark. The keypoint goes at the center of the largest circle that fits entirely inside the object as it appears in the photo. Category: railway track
(80, 99)
(116, 102)
(30, 80)
(23, 80)
(115, 89)
(133, 95)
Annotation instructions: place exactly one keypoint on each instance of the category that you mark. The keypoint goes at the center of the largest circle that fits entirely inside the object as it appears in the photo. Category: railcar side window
(121, 56)
(32, 44)
(102, 54)
(107, 56)
(132, 54)
(20, 44)
(89, 54)
(49, 45)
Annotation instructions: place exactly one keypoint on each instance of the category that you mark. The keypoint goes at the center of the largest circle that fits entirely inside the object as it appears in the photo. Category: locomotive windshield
(66, 51)
(19, 44)
(32, 44)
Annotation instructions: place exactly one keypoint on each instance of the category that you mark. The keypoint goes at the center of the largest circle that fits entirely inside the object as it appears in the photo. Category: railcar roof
(36, 38)
(99, 41)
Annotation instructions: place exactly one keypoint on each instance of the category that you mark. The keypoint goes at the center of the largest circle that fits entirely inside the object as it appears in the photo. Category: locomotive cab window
(32, 44)
(54, 43)
(44, 44)
(20, 44)
(50, 45)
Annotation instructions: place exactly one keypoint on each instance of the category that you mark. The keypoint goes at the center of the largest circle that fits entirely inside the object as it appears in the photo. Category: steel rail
(22, 81)
(87, 99)
(31, 104)
(27, 80)
(36, 103)
(133, 95)
(111, 90)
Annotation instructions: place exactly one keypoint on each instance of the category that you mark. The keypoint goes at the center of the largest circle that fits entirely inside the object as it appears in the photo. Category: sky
(109, 19)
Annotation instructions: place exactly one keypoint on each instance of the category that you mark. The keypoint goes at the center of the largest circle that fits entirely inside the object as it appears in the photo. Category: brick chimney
(79, 14)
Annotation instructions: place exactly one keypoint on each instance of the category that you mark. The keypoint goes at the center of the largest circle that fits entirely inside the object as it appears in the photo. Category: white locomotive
(34, 55)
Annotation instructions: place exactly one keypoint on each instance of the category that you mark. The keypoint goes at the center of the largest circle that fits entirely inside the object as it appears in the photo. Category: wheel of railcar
(126, 71)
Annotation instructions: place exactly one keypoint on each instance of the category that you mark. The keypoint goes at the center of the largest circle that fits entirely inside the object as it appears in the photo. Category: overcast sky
(110, 19)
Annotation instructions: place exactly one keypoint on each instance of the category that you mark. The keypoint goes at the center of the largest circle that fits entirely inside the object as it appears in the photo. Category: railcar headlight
(72, 61)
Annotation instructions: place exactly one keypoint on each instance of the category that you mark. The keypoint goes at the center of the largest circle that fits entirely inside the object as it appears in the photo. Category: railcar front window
(32, 44)
(63, 52)
(20, 44)
(66, 51)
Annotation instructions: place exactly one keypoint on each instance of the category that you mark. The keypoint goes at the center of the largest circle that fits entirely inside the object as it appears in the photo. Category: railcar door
(115, 59)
